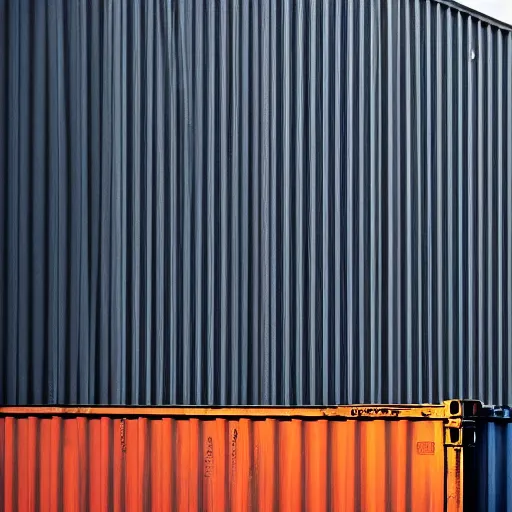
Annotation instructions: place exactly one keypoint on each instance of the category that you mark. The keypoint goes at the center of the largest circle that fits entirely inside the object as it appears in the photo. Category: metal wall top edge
(475, 14)
(450, 409)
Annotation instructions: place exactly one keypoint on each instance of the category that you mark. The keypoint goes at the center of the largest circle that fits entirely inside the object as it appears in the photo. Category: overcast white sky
(499, 9)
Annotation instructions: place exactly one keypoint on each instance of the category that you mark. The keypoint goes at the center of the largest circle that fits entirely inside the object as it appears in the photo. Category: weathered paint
(230, 459)
(254, 202)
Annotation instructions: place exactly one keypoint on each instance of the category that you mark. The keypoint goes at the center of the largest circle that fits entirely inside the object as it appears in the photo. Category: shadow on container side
(372, 458)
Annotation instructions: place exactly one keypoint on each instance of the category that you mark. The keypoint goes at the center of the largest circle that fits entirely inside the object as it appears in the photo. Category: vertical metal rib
(338, 273)
(224, 203)
(286, 214)
(326, 334)
(508, 109)
(471, 313)
(312, 185)
(488, 240)
(361, 206)
(449, 374)
(199, 247)
(500, 150)
(211, 187)
(409, 199)
(480, 206)
(147, 210)
(265, 327)
(420, 222)
(351, 338)
(235, 205)
(160, 195)
(299, 205)
(460, 203)
(439, 212)
(430, 216)
(255, 210)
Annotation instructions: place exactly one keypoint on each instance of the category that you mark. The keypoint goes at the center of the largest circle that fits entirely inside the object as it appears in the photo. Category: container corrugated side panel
(163, 462)
(494, 470)
(294, 202)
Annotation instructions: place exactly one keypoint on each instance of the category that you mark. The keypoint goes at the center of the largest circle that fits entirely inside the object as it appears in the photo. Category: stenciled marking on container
(426, 447)
(208, 458)
(122, 431)
(375, 411)
(234, 437)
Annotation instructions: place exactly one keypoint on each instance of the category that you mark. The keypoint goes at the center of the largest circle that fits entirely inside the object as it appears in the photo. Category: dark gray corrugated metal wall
(254, 202)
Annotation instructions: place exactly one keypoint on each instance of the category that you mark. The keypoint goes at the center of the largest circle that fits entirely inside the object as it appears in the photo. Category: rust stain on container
(238, 460)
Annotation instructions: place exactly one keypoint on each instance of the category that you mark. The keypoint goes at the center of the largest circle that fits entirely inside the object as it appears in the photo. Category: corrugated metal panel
(181, 460)
(295, 202)
(494, 470)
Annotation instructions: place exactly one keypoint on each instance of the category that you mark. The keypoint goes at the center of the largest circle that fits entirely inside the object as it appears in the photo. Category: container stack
(224, 224)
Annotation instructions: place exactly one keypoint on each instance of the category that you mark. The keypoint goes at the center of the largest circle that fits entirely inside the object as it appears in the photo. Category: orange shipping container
(343, 458)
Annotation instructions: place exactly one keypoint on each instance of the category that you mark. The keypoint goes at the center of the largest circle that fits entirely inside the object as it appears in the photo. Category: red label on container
(426, 447)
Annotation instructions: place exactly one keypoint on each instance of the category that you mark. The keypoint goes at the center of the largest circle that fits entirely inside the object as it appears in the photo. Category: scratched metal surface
(236, 202)
(103, 463)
